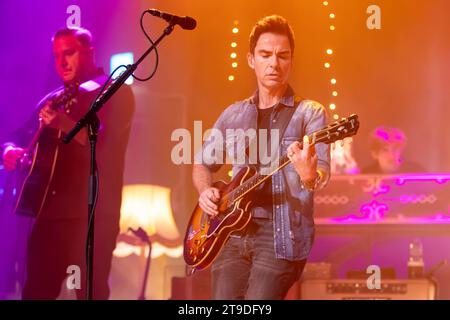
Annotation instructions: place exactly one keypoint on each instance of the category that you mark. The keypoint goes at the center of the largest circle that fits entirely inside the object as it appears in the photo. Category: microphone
(186, 22)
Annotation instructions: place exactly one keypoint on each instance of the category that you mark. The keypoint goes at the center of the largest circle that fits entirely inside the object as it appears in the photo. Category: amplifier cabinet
(348, 289)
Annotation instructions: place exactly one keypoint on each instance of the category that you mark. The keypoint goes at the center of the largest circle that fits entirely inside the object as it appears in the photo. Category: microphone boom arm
(103, 98)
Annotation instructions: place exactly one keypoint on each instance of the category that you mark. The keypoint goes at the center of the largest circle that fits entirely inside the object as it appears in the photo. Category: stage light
(233, 55)
(327, 65)
(119, 59)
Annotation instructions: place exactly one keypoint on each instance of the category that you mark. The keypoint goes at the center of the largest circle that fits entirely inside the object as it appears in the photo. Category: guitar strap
(285, 117)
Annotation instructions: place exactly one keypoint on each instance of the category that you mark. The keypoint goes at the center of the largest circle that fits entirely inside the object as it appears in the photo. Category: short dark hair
(274, 23)
(83, 35)
(383, 136)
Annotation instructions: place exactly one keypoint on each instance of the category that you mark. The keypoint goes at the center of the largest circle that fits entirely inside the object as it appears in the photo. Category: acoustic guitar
(35, 168)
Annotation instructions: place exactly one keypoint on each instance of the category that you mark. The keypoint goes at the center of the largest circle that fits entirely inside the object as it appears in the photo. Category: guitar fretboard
(336, 131)
(256, 180)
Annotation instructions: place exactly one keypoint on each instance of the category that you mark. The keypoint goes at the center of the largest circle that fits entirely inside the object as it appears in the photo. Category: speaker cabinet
(348, 289)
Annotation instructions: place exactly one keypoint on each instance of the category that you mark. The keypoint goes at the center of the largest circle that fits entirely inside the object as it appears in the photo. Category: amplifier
(357, 289)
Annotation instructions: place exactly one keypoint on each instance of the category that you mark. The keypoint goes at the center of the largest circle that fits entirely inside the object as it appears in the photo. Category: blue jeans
(247, 268)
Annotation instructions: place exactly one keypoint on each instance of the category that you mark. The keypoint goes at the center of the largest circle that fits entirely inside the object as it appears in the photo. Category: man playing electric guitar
(268, 256)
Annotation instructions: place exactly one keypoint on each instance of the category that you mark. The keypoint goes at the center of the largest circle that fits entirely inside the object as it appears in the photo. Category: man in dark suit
(57, 241)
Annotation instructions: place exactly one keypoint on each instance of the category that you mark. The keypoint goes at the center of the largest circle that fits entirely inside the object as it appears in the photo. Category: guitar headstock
(70, 92)
(339, 130)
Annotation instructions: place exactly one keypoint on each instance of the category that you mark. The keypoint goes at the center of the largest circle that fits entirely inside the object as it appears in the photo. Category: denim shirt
(292, 203)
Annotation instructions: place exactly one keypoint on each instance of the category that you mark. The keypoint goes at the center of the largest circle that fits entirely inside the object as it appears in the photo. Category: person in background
(387, 145)
(58, 237)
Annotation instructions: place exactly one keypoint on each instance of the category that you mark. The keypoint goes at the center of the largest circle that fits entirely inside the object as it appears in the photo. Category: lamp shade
(148, 207)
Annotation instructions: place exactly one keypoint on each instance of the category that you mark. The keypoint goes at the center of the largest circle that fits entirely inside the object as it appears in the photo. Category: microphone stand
(91, 120)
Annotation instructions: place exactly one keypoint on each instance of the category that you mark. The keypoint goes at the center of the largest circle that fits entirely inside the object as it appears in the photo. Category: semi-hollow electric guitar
(206, 235)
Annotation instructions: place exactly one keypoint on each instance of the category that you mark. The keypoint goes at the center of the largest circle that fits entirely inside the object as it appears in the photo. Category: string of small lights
(233, 54)
(327, 65)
